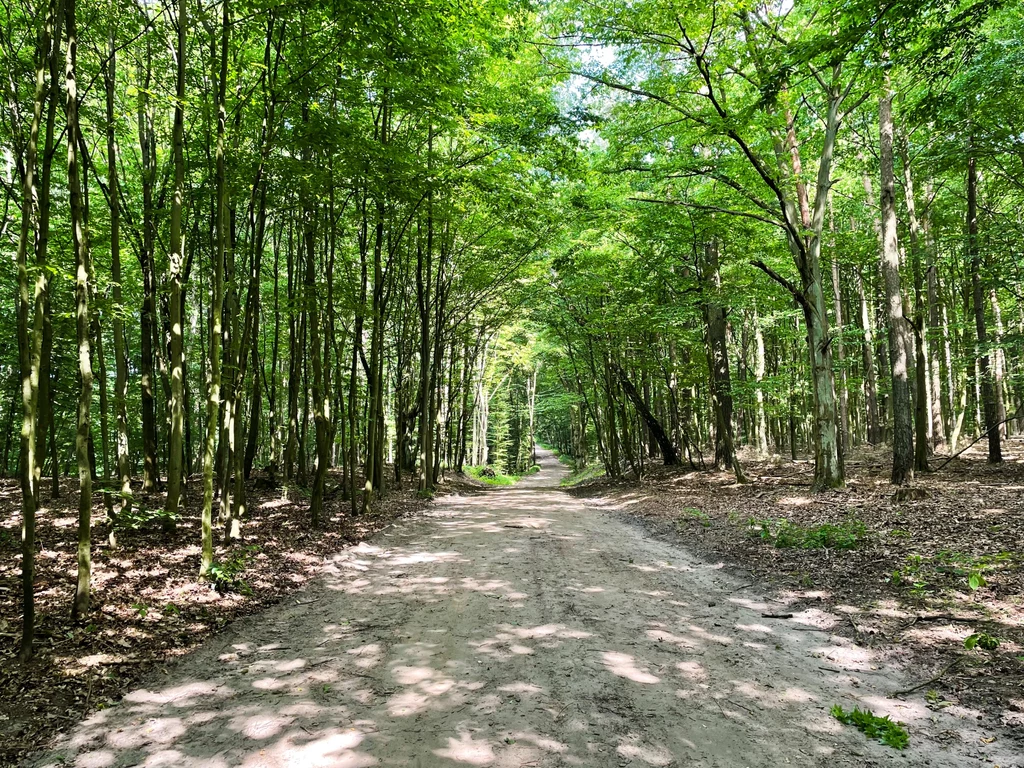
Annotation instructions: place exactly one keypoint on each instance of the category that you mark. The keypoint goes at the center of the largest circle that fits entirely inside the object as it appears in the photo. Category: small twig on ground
(926, 683)
(776, 615)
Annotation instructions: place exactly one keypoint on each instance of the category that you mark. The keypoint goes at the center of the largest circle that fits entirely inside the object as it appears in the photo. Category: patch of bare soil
(147, 606)
(928, 569)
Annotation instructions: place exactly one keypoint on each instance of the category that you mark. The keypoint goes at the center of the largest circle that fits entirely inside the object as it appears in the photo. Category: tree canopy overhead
(344, 248)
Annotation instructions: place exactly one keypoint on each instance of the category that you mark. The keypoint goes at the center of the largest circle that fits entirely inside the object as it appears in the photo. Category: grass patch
(581, 475)
(890, 733)
(491, 476)
(784, 534)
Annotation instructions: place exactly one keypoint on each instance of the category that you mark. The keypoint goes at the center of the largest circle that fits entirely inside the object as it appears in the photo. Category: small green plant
(139, 518)
(784, 534)
(981, 640)
(141, 608)
(226, 575)
(885, 730)
(172, 609)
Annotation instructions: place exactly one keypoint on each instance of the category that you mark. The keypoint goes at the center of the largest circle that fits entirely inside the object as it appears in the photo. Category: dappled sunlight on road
(508, 628)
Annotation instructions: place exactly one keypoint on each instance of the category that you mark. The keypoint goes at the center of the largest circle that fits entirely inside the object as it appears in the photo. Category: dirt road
(520, 627)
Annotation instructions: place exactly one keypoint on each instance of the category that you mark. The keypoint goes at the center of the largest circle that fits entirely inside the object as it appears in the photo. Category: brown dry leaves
(147, 605)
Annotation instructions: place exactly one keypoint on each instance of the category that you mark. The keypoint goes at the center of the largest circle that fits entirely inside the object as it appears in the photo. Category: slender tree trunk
(124, 470)
(30, 325)
(424, 264)
(217, 305)
(321, 406)
(44, 402)
(718, 360)
(176, 268)
(79, 233)
(995, 454)
(923, 423)
(899, 341)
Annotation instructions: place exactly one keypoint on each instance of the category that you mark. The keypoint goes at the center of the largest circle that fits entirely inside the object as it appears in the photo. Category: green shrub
(784, 534)
(226, 575)
(883, 729)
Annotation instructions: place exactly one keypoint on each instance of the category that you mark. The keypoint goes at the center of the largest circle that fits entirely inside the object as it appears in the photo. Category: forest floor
(147, 605)
(523, 627)
(910, 581)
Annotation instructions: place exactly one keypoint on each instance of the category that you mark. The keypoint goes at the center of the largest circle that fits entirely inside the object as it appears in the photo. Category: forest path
(517, 627)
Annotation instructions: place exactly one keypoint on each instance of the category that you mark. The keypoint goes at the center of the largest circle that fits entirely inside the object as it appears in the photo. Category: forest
(277, 271)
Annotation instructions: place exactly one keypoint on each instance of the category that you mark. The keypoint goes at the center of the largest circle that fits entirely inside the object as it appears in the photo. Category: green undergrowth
(491, 476)
(784, 534)
(582, 475)
(923, 575)
(887, 731)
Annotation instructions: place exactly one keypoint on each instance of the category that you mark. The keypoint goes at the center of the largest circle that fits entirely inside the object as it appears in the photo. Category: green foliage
(784, 534)
(582, 475)
(885, 730)
(981, 640)
(491, 476)
(954, 568)
(226, 574)
(139, 518)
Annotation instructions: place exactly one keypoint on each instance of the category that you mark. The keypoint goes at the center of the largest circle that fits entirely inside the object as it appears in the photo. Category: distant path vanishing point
(517, 627)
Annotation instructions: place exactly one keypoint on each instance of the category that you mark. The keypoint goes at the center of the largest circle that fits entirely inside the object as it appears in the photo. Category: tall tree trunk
(668, 450)
(759, 374)
(424, 264)
(148, 314)
(124, 471)
(30, 324)
(321, 403)
(899, 336)
(718, 360)
(923, 422)
(216, 308)
(44, 402)
(995, 453)
(80, 240)
(176, 268)
(936, 338)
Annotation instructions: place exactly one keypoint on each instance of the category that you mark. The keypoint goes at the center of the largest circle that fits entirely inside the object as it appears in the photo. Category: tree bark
(80, 241)
(124, 471)
(668, 451)
(899, 341)
(923, 423)
(995, 454)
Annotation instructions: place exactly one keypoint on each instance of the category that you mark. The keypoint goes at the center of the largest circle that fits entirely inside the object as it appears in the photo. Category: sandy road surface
(520, 627)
